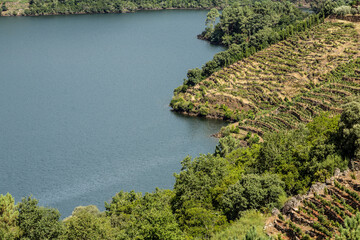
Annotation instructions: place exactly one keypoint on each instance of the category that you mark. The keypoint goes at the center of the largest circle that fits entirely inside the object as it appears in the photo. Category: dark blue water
(84, 104)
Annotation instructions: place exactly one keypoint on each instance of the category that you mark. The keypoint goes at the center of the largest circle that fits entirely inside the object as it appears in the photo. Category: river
(84, 104)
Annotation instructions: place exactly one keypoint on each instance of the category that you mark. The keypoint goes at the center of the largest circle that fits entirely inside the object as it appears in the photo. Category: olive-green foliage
(302, 156)
(350, 130)
(211, 17)
(253, 235)
(196, 194)
(197, 179)
(92, 209)
(239, 22)
(40, 7)
(351, 228)
(342, 10)
(252, 192)
(210, 192)
(8, 218)
(193, 76)
(180, 104)
(143, 217)
(239, 228)
(3, 7)
(87, 223)
(250, 26)
(227, 145)
(38, 222)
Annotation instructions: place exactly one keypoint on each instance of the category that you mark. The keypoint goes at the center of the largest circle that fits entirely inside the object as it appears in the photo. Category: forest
(54, 7)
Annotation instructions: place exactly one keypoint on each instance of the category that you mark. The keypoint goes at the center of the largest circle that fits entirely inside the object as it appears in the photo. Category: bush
(3, 7)
(351, 228)
(203, 110)
(38, 222)
(227, 145)
(142, 217)
(9, 215)
(342, 10)
(88, 223)
(239, 228)
(354, 11)
(349, 130)
(252, 192)
(194, 76)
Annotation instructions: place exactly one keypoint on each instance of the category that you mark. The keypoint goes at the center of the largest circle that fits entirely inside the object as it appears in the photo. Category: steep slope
(321, 213)
(283, 85)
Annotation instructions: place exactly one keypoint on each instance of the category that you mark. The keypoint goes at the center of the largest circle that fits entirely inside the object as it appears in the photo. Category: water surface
(84, 104)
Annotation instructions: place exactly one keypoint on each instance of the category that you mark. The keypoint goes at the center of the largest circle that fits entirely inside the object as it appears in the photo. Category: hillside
(322, 213)
(54, 7)
(283, 85)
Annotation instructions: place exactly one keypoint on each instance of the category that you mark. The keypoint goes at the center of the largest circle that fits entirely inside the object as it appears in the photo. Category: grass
(239, 228)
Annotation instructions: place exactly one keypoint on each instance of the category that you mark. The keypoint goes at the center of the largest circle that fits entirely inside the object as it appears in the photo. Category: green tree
(194, 76)
(9, 228)
(252, 192)
(38, 222)
(211, 18)
(143, 217)
(87, 223)
(349, 130)
(197, 190)
(227, 145)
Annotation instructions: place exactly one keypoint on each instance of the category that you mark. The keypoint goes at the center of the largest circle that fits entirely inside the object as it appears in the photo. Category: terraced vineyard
(321, 214)
(284, 85)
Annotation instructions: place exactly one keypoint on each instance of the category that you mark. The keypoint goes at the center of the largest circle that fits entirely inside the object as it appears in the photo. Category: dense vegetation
(40, 7)
(284, 85)
(332, 213)
(51, 7)
(212, 193)
(247, 28)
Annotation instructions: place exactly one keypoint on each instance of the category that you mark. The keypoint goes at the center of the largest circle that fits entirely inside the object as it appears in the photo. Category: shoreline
(115, 12)
(21, 14)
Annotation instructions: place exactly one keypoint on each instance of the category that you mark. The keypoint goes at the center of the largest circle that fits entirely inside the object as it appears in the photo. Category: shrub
(252, 192)
(354, 11)
(203, 110)
(38, 222)
(342, 10)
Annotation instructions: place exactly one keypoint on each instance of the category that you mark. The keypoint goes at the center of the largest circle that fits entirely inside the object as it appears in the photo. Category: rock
(355, 165)
(329, 182)
(337, 172)
(290, 205)
(300, 197)
(275, 212)
(269, 225)
(317, 188)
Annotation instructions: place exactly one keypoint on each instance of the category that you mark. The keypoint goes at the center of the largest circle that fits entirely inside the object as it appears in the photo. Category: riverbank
(49, 8)
(54, 8)
(9, 13)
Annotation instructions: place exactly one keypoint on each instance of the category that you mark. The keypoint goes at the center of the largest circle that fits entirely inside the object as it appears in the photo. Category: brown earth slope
(283, 85)
(320, 213)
